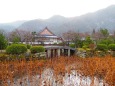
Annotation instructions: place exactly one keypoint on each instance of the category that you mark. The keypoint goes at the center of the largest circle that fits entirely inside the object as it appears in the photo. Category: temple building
(45, 36)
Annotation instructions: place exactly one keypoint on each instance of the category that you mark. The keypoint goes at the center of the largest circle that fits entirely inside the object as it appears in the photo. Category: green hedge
(37, 49)
(111, 47)
(16, 49)
(102, 47)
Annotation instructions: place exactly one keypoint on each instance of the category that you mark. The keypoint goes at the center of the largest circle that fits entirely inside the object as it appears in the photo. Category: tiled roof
(46, 32)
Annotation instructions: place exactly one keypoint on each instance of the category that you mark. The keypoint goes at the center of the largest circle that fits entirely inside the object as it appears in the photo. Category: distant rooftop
(46, 32)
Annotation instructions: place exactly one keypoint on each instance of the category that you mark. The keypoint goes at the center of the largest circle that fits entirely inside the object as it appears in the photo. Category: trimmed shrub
(111, 47)
(37, 49)
(102, 47)
(28, 46)
(16, 49)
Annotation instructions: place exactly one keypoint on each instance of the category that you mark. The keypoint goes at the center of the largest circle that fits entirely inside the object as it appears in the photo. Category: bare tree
(14, 36)
(28, 37)
(20, 36)
(70, 36)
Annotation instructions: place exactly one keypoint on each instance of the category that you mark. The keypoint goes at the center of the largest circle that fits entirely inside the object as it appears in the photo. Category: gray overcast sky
(14, 10)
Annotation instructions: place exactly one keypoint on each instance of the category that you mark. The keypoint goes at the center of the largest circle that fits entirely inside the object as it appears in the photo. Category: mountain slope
(11, 26)
(104, 18)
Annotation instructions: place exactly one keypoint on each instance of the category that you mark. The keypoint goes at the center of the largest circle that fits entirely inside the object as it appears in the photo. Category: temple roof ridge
(46, 32)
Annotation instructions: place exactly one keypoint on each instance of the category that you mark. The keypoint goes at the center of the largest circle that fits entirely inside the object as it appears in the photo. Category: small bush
(102, 47)
(85, 47)
(55, 43)
(72, 45)
(111, 47)
(16, 49)
(62, 43)
(37, 49)
(3, 56)
(106, 41)
(28, 46)
(101, 53)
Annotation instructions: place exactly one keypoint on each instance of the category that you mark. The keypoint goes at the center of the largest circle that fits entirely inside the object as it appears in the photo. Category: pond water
(47, 79)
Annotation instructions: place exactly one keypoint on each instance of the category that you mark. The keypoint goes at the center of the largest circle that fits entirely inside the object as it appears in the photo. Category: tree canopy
(104, 32)
(3, 42)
